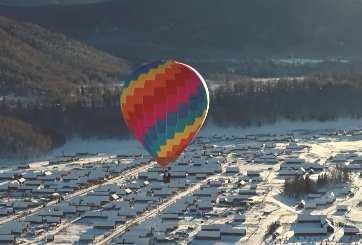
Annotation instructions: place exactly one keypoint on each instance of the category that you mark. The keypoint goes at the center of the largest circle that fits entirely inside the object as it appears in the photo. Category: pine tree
(346, 175)
(319, 181)
(308, 184)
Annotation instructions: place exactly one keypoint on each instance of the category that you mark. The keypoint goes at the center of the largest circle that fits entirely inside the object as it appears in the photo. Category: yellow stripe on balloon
(140, 81)
(170, 143)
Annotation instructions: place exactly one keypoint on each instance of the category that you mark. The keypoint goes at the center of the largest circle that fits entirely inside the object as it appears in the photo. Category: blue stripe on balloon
(202, 101)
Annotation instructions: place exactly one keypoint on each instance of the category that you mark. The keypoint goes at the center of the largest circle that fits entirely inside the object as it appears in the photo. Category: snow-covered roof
(351, 230)
(309, 229)
(207, 235)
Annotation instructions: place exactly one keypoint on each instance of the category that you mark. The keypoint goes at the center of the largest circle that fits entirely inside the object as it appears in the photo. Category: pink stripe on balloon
(136, 132)
(183, 94)
(193, 83)
(172, 103)
(160, 111)
(150, 119)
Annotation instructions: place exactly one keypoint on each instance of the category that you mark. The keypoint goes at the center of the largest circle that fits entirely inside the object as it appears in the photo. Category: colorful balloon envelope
(164, 104)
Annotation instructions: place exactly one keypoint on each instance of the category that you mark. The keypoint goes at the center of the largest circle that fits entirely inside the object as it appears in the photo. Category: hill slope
(144, 29)
(19, 139)
(35, 60)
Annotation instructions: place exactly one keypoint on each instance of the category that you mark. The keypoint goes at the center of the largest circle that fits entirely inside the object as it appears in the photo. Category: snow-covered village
(301, 186)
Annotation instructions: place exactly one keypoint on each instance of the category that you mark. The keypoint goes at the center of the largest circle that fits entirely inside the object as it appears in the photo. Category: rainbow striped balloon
(164, 104)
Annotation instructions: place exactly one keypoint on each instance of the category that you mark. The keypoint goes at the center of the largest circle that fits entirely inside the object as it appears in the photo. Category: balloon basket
(166, 178)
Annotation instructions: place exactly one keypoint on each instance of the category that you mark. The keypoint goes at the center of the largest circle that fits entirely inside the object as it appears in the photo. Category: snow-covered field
(114, 146)
(107, 146)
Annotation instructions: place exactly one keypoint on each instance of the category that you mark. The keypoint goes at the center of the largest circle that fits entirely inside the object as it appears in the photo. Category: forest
(320, 96)
(95, 113)
(300, 185)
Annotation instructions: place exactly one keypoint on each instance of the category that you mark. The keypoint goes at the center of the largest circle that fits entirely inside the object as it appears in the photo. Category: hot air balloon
(164, 104)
